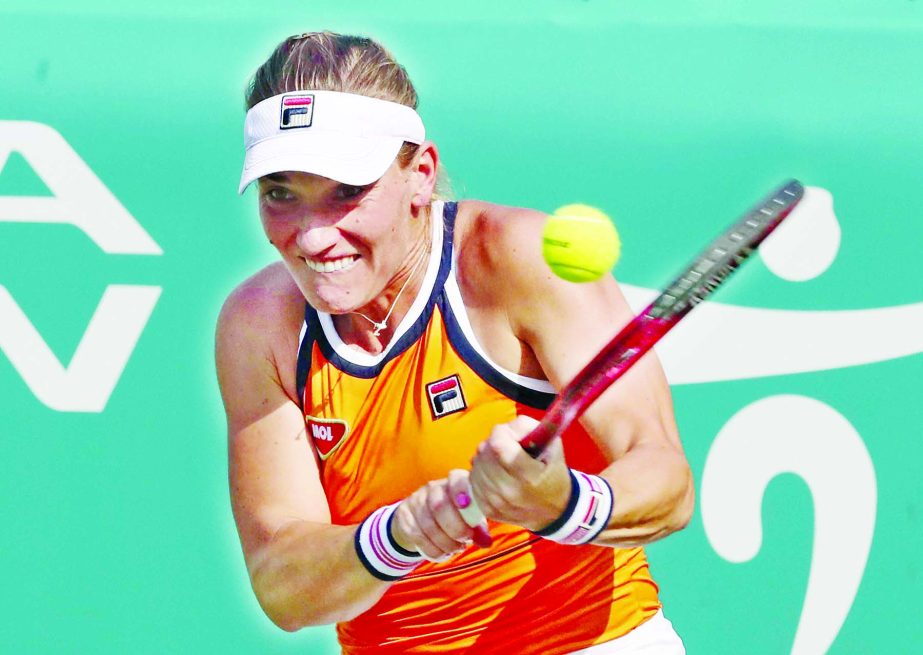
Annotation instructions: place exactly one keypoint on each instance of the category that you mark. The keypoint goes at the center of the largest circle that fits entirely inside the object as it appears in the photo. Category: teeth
(331, 265)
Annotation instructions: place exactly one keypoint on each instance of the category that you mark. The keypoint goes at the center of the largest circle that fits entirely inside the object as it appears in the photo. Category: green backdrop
(121, 234)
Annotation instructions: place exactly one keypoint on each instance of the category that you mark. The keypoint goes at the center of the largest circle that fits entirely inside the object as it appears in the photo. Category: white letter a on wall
(80, 198)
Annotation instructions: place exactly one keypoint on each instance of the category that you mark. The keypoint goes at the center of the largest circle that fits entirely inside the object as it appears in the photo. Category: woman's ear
(423, 174)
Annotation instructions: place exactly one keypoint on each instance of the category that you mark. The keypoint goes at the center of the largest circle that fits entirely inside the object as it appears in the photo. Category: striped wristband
(587, 513)
(378, 551)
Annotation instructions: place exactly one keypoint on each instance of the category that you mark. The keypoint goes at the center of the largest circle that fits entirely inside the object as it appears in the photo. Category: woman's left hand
(511, 487)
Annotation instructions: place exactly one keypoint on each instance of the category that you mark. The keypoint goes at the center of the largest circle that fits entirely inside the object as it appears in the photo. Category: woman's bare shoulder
(488, 221)
(259, 327)
(267, 298)
(498, 246)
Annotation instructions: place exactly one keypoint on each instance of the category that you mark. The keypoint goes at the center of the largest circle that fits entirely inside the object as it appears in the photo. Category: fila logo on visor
(326, 433)
(445, 396)
(297, 111)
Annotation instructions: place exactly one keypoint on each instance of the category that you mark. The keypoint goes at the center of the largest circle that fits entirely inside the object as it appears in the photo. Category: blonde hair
(335, 62)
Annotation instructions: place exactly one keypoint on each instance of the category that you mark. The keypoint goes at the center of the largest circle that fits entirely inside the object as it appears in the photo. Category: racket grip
(538, 439)
(475, 519)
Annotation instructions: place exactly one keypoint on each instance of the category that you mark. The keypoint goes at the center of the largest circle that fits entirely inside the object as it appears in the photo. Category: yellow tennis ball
(580, 243)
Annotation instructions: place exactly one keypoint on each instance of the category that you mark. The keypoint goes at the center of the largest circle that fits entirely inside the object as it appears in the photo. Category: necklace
(383, 324)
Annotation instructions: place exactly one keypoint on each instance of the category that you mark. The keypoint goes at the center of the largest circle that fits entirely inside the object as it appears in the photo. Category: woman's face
(342, 244)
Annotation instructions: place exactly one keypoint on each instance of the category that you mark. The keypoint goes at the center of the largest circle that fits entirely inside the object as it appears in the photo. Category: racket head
(705, 273)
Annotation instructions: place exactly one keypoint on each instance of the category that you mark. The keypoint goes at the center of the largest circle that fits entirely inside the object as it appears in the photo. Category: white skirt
(655, 636)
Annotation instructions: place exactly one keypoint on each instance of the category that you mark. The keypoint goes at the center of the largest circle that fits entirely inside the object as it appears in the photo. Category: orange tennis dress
(384, 425)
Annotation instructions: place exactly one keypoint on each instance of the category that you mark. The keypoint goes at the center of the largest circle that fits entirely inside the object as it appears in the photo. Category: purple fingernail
(462, 500)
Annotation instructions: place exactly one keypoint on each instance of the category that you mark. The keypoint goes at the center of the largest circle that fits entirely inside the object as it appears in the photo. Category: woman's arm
(304, 570)
(561, 326)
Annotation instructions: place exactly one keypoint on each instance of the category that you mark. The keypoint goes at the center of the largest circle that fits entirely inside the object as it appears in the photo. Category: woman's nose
(314, 238)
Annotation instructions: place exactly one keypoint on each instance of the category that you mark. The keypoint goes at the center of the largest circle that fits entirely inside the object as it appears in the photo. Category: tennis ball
(580, 243)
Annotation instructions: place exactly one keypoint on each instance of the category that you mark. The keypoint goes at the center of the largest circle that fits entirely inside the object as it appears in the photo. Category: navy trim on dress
(490, 375)
(414, 332)
(303, 366)
(509, 388)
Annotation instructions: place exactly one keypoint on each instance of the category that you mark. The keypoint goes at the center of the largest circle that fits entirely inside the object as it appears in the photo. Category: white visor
(342, 136)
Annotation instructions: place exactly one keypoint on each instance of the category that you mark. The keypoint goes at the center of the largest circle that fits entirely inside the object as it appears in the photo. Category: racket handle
(542, 434)
(475, 519)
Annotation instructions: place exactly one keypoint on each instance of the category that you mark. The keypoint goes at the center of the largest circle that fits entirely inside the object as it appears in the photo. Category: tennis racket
(697, 281)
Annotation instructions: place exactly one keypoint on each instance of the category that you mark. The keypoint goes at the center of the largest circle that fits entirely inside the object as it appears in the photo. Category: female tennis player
(403, 341)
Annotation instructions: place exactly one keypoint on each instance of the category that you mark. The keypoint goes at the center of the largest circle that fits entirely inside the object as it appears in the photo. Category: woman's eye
(348, 191)
(278, 194)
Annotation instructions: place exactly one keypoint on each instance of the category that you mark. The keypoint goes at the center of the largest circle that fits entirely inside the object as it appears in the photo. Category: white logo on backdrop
(795, 434)
(82, 200)
(791, 434)
(721, 342)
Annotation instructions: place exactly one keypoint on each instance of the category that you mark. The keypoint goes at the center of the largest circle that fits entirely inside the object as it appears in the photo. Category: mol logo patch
(327, 434)
(445, 396)
(297, 111)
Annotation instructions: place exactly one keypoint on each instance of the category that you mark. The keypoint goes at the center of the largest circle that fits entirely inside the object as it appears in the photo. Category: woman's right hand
(429, 522)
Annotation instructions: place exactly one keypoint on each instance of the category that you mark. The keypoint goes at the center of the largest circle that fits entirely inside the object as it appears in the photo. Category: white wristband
(378, 551)
(587, 513)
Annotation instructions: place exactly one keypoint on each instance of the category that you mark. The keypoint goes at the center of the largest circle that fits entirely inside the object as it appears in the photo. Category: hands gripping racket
(692, 286)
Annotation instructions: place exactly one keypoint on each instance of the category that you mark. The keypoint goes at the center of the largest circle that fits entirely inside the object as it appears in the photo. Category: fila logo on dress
(445, 396)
